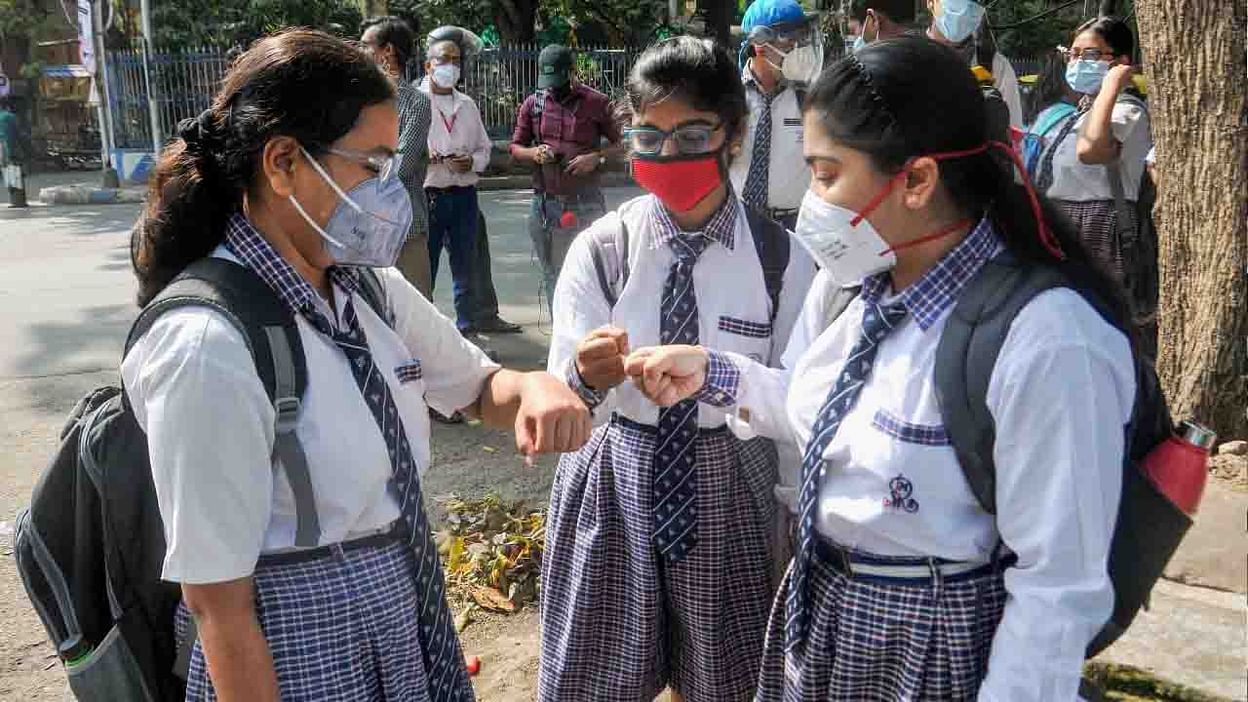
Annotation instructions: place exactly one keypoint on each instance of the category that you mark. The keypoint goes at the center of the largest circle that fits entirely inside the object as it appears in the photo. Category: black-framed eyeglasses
(689, 138)
(386, 167)
(1084, 55)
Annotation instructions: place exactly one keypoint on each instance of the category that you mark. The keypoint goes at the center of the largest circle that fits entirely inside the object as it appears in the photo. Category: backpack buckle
(287, 409)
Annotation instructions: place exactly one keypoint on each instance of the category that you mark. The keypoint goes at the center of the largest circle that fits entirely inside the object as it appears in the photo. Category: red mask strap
(1047, 238)
(930, 237)
(875, 201)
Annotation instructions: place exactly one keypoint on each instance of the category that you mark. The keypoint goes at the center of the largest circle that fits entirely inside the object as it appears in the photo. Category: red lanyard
(449, 124)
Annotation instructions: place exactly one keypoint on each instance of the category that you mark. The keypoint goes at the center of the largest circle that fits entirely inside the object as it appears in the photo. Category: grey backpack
(90, 546)
(1149, 527)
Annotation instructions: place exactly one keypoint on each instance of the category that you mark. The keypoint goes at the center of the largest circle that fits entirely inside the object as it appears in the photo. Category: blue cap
(769, 13)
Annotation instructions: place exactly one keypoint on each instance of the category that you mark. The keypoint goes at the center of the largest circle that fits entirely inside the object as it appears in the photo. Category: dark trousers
(453, 223)
(485, 300)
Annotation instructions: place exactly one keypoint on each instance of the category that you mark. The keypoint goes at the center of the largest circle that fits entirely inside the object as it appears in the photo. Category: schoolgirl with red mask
(657, 569)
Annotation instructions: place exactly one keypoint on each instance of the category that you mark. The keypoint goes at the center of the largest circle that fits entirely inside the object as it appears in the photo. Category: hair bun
(198, 133)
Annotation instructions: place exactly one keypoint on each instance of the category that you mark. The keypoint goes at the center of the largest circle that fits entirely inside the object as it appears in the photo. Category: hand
(583, 164)
(460, 164)
(600, 358)
(551, 418)
(1119, 78)
(667, 374)
(543, 155)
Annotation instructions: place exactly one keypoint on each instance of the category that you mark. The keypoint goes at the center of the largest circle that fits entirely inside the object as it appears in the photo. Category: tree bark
(516, 20)
(1195, 53)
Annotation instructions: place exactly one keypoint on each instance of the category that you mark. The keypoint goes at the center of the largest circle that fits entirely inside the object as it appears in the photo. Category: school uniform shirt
(1060, 395)
(788, 178)
(1076, 181)
(210, 424)
(456, 129)
(734, 310)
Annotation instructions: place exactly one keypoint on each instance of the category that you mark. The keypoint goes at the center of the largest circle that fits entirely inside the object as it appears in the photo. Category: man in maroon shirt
(561, 129)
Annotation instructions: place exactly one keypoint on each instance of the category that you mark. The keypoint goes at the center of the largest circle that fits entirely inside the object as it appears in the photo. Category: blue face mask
(369, 225)
(1085, 76)
(958, 19)
(859, 42)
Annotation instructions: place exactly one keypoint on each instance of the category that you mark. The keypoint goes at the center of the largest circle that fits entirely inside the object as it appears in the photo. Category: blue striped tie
(877, 322)
(758, 175)
(675, 480)
(443, 659)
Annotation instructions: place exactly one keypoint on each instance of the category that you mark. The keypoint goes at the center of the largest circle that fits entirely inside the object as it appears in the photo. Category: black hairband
(863, 73)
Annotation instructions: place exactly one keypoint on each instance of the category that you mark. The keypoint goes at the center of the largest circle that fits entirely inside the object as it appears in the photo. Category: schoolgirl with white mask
(903, 585)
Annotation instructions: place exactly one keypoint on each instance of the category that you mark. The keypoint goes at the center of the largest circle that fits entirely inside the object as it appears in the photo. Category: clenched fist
(600, 358)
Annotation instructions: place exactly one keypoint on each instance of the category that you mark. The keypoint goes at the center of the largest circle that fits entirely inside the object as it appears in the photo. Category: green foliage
(31, 19)
(188, 23)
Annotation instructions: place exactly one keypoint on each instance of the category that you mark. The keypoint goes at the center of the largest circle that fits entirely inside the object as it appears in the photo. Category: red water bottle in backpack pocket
(1178, 467)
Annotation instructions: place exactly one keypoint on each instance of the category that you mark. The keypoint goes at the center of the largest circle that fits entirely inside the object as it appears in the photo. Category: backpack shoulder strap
(967, 354)
(609, 251)
(272, 336)
(771, 241)
(539, 106)
(374, 293)
(1052, 117)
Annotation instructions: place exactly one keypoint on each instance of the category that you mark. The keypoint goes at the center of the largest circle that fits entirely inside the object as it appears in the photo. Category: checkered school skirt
(619, 623)
(1095, 221)
(339, 628)
(873, 641)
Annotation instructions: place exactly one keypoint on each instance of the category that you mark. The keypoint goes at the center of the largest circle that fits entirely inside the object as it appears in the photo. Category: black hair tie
(198, 132)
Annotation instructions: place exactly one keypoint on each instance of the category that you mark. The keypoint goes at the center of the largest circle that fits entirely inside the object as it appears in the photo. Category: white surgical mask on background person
(801, 64)
(446, 75)
(1086, 75)
(369, 225)
(958, 19)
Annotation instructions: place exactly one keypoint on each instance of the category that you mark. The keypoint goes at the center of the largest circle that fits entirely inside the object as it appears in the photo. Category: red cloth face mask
(680, 182)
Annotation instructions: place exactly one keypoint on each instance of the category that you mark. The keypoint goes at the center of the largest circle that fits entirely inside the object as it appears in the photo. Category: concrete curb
(83, 194)
(89, 195)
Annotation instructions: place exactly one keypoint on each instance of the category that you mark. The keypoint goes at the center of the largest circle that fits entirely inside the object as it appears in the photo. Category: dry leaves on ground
(491, 552)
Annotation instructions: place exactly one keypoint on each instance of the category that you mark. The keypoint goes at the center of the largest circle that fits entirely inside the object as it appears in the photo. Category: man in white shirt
(956, 23)
(767, 173)
(459, 150)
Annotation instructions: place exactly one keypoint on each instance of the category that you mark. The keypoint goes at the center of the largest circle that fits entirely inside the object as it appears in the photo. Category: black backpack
(1149, 527)
(771, 243)
(91, 545)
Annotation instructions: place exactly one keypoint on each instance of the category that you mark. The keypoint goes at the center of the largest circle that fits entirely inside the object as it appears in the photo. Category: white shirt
(1076, 181)
(456, 129)
(1006, 82)
(210, 428)
(1060, 395)
(787, 177)
(728, 284)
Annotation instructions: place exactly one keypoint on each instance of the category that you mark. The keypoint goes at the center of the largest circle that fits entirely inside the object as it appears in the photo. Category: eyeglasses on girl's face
(688, 138)
(385, 167)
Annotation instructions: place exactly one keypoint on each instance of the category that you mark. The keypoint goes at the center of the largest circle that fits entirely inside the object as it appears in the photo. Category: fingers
(635, 364)
(594, 349)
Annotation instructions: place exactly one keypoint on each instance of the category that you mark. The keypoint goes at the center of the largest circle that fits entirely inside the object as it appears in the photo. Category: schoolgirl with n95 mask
(658, 563)
(905, 584)
(291, 502)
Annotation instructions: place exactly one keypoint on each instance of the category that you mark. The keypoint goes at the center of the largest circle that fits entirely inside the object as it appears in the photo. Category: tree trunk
(373, 8)
(516, 20)
(1197, 93)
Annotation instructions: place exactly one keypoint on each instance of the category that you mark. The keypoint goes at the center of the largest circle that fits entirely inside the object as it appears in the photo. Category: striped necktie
(443, 659)
(877, 322)
(675, 481)
(756, 178)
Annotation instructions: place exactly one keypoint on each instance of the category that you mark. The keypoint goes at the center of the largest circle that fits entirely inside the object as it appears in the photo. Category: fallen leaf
(491, 599)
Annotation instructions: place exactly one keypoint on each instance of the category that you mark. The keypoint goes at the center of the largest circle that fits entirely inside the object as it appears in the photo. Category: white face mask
(802, 64)
(446, 75)
(849, 251)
